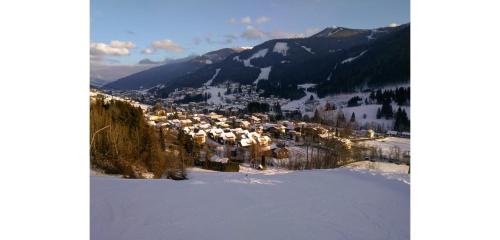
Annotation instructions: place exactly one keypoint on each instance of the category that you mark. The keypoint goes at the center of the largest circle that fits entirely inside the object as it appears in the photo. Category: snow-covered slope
(316, 204)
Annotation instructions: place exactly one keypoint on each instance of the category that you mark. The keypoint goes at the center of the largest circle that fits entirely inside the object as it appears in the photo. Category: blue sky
(157, 29)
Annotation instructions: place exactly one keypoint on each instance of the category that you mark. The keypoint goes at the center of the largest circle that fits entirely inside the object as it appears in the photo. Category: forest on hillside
(121, 142)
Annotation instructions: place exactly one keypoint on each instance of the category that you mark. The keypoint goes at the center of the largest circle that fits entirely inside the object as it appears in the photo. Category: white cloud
(121, 44)
(115, 48)
(252, 33)
(393, 25)
(147, 51)
(263, 19)
(167, 45)
(246, 20)
(232, 20)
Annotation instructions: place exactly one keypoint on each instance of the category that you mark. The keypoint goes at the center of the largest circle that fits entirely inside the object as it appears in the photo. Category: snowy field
(389, 142)
(317, 204)
(385, 167)
(340, 100)
(214, 95)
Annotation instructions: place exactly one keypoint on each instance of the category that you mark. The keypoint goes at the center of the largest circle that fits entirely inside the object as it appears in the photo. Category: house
(204, 126)
(186, 122)
(228, 137)
(215, 133)
(254, 119)
(246, 142)
(292, 134)
(392, 133)
(200, 137)
(370, 133)
(245, 124)
(280, 152)
(240, 133)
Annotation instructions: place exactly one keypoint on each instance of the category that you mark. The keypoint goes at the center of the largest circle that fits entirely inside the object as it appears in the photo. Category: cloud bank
(114, 48)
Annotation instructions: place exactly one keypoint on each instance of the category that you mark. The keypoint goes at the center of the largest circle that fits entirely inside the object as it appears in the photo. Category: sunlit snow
(348, 60)
(281, 47)
(264, 74)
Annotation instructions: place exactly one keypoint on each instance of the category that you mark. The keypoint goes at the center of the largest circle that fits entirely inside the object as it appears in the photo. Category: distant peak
(148, 61)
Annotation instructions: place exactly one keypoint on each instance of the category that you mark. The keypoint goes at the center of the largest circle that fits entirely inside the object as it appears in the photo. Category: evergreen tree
(379, 113)
(353, 117)
(316, 117)
(386, 110)
(328, 106)
(402, 123)
(306, 118)
(372, 95)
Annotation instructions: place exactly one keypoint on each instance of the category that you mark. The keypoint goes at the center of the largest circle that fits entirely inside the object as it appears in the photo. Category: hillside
(316, 204)
(337, 59)
(166, 72)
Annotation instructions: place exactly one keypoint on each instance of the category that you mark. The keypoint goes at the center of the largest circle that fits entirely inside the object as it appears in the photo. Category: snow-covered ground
(263, 75)
(386, 144)
(348, 60)
(246, 62)
(281, 47)
(383, 168)
(340, 100)
(209, 82)
(307, 49)
(316, 204)
(214, 94)
(299, 104)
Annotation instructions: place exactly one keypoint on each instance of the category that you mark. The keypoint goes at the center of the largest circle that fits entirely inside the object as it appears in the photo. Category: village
(223, 137)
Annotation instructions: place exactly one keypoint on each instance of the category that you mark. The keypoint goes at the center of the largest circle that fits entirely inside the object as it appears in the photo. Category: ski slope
(316, 204)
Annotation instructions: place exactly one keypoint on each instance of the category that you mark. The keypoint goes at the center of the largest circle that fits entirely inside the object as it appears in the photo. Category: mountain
(97, 83)
(172, 69)
(337, 59)
(102, 73)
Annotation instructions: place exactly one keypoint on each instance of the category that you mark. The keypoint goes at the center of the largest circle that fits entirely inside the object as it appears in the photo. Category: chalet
(254, 120)
(204, 126)
(240, 133)
(228, 137)
(196, 119)
(200, 137)
(262, 117)
(186, 122)
(280, 152)
(292, 134)
(246, 142)
(215, 133)
(245, 124)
